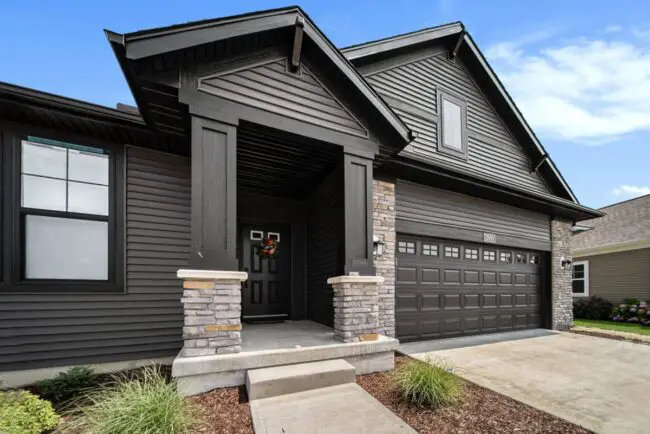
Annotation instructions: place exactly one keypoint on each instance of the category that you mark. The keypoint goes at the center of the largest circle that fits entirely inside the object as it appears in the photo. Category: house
(611, 254)
(406, 194)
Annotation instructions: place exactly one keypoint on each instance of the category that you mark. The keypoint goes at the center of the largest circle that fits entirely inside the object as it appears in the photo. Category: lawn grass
(616, 326)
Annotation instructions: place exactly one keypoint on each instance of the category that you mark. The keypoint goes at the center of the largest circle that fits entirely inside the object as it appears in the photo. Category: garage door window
(471, 254)
(429, 249)
(534, 259)
(489, 255)
(520, 258)
(505, 257)
(452, 252)
(406, 247)
(580, 279)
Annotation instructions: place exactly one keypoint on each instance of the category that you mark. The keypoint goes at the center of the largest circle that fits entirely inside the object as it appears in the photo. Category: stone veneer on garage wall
(383, 201)
(562, 298)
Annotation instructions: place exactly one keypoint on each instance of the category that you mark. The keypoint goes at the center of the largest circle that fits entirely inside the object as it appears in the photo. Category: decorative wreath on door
(268, 248)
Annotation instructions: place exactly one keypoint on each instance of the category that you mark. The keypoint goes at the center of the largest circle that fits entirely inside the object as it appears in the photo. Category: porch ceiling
(281, 164)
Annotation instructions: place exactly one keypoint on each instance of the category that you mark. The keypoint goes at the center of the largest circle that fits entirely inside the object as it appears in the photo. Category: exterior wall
(145, 322)
(324, 230)
(561, 292)
(429, 211)
(384, 228)
(412, 86)
(616, 276)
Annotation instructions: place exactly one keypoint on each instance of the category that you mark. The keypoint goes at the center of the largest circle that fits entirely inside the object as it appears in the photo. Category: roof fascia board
(493, 77)
(397, 42)
(139, 47)
(611, 248)
(357, 79)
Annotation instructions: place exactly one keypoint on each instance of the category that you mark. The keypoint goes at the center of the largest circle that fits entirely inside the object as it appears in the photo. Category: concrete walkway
(598, 383)
(346, 408)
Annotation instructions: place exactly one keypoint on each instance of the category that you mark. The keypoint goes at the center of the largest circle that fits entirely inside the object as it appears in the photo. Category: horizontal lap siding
(299, 96)
(417, 203)
(46, 330)
(616, 276)
(493, 153)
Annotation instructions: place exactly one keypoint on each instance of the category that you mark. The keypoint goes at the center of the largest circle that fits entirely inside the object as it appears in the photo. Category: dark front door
(266, 292)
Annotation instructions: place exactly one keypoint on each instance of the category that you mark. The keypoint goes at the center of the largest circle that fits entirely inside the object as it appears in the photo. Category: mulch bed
(224, 411)
(482, 411)
(610, 336)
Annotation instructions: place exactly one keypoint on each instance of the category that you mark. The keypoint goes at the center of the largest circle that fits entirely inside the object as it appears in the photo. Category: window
(65, 207)
(534, 259)
(429, 249)
(520, 258)
(489, 255)
(407, 247)
(505, 257)
(471, 254)
(452, 252)
(580, 279)
(453, 139)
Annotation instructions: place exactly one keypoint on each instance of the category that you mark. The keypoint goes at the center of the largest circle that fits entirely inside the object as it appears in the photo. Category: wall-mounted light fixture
(377, 246)
(566, 263)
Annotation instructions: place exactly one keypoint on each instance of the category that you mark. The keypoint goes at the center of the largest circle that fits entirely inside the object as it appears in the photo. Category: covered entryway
(467, 266)
(447, 288)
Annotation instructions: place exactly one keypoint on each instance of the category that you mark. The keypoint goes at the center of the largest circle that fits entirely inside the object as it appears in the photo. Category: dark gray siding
(44, 330)
(324, 232)
(412, 89)
(615, 276)
(270, 87)
(429, 211)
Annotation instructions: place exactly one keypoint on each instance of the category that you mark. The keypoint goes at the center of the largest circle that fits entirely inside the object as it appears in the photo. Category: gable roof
(485, 77)
(626, 226)
(131, 47)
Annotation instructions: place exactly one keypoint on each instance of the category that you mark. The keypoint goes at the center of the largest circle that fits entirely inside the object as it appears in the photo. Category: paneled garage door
(451, 288)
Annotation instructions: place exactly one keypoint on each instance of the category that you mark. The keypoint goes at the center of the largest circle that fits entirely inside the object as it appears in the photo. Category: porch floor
(288, 334)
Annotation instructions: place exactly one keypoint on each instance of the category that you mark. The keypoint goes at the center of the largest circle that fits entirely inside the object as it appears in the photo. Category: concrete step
(286, 379)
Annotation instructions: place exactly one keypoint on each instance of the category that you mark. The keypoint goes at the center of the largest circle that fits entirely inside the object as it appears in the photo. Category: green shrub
(68, 384)
(22, 412)
(427, 384)
(145, 404)
(592, 308)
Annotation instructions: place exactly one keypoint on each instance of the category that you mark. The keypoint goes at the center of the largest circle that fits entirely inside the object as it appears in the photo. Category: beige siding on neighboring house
(615, 276)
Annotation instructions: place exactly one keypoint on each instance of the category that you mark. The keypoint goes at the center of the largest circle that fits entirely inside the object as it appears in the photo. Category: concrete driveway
(600, 384)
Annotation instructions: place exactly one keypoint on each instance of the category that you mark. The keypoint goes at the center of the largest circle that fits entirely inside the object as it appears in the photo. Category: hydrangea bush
(632, 312)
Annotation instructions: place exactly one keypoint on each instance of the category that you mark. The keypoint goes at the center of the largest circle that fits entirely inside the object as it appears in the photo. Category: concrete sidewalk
(346, 408)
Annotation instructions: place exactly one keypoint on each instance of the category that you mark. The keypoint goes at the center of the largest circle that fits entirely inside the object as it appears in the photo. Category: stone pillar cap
(355, 279)
(212, 275)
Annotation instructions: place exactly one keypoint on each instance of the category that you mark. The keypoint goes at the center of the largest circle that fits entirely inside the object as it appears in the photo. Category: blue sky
(579, 70)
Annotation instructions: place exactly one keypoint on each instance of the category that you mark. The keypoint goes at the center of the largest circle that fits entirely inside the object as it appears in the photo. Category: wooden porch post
(358, 255)
(214, 195)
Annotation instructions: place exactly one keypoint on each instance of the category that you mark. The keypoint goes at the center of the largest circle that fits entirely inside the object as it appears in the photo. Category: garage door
(447, 288)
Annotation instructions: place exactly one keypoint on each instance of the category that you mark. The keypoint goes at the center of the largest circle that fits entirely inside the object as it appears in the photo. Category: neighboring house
(611, 254)
(257, 126)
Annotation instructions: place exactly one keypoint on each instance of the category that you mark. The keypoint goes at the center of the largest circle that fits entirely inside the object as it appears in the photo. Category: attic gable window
(452, 138)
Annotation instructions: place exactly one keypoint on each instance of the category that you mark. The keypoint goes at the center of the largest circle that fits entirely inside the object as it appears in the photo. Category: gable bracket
(461, 37)
(297, 43)
(538, 165)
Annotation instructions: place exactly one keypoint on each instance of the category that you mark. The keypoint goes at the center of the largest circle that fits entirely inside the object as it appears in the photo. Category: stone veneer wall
(383, 201)
(562, 295)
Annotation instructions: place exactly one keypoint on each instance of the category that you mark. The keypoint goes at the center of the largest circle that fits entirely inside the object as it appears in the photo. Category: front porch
(285, 343)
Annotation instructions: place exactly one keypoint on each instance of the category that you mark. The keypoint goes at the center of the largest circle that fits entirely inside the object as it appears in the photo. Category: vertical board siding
(270, 87)
(493, 152)
(417, 203)
(615, 276)
(324, 232)
(45, 330)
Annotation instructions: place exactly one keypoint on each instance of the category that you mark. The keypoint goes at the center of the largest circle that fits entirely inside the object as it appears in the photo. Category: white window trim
(585, 264)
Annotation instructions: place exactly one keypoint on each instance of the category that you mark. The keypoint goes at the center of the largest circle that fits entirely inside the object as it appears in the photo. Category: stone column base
(356, 307)
(212, 311)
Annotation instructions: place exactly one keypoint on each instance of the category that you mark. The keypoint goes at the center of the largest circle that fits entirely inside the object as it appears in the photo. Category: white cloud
(587, 91)
(613, 28)
(631, 190)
